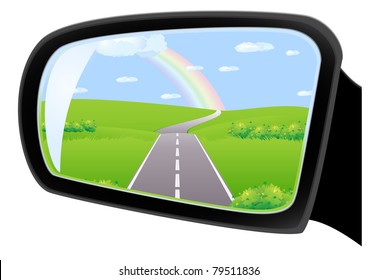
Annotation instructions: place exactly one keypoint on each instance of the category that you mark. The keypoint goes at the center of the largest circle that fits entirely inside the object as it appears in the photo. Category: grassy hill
(132, 115)
(124, 134)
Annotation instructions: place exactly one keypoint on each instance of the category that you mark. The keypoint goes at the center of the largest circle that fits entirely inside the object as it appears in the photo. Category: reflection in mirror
(216, 117)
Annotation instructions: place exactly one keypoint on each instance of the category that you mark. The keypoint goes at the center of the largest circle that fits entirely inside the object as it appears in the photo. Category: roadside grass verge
(116, 158)
(243, 164)
(252, 162)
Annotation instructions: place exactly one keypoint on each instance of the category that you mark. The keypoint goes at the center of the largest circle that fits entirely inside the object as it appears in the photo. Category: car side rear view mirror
(236, 119)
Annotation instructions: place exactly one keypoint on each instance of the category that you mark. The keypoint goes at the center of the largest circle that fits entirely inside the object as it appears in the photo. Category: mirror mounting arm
(339, 199)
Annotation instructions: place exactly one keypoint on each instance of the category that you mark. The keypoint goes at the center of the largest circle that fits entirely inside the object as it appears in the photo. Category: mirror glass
(217, 117)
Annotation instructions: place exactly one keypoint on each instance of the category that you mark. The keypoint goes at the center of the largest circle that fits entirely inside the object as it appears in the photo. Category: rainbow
(196, 90)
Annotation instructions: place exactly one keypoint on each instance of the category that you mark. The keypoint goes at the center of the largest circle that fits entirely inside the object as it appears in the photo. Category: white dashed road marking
(177, 180)
(154, 175)
(177, 168)
(177, 193)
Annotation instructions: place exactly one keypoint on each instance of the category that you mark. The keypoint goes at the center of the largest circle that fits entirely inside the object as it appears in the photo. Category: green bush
(89, 125)
(294, 131)
(108, 183)
(264, 197)
(276, 131)
(73, 126)
(240, 130)
(261, 132)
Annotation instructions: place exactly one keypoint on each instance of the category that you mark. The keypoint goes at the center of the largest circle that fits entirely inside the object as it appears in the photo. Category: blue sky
(248, 67)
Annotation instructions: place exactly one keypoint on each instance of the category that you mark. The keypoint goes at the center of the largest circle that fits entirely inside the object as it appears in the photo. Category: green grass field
(265, 171)
(245, 163)
(124, 135)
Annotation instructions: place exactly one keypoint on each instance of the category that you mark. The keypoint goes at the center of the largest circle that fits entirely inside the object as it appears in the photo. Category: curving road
(185, 126)
(178, 166)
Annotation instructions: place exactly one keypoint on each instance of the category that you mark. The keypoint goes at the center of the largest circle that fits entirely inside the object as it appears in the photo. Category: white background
(45, 236)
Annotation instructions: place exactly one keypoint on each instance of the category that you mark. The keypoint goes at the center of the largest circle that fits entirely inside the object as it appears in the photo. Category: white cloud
(126, 79)
(170, 96)
(254, 47)
(292, 52)
(228, 68)
(194, 67)
(304, 93)
(80, 90)
(129, 46)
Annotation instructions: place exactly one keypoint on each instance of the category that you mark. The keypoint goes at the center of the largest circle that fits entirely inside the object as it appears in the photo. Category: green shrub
(89, 125)
(261, 132)
(240, 130)
(108, 183)
(264, 197)
(73, 126)
(294, 131)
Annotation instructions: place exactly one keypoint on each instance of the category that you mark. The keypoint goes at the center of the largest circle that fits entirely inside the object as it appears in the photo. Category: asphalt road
(178, 166)
(185, 126)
